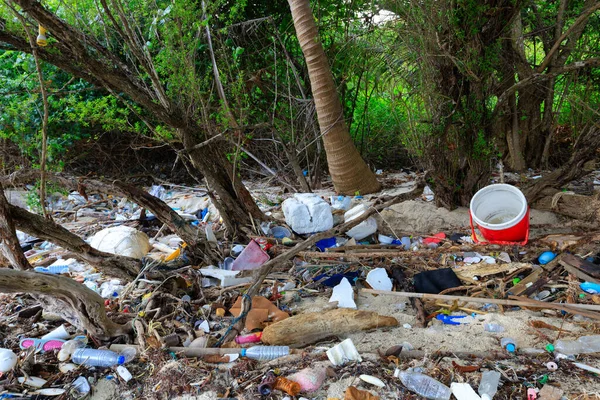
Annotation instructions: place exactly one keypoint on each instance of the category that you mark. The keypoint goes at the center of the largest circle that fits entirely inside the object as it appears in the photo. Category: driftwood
(580, 164)
(71, 300)
(197, 244)
(584, 208)
(309, 328)
(36, 225)
(262, 273)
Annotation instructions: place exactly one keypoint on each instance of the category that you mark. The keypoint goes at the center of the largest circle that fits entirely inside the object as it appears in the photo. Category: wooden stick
(186, 351)
(522, 302)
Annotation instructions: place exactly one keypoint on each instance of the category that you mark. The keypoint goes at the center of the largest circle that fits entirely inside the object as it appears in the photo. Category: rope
(235, 320)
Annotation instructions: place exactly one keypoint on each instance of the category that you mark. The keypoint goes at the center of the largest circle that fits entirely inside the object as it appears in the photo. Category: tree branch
(583, 17)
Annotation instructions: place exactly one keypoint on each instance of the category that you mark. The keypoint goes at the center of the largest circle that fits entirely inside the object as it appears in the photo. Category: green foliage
(32, 199)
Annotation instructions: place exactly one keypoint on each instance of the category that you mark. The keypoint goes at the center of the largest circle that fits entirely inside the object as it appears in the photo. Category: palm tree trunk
(349, 172)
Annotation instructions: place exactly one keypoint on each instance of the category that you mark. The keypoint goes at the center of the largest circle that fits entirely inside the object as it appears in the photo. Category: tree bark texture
(586, 148)
(235, 204)
(71, 300)
(36, 225)
(348, 170)
(584, 208)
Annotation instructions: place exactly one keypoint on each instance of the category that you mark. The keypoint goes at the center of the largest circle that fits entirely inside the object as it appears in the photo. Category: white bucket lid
(495, 198)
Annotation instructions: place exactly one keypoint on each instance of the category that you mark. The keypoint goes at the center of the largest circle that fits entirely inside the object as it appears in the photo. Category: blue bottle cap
(243, 353)
(510, 348)
(121, 360)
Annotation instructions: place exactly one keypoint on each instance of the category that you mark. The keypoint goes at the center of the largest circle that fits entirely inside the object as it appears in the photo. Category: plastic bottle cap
(510, 347)
(121, 360)
(243, 353)
(550, 347)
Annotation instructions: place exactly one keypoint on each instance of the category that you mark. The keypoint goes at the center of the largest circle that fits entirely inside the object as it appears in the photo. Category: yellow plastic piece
(42, 41)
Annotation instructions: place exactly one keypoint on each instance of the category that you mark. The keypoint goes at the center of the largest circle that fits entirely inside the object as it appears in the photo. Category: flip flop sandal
(41, 345)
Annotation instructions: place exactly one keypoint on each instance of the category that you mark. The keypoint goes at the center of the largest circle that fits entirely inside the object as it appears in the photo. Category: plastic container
(424, 385)
(489, 384)
(509, 344)
(53, 269)
(251, 338)
(501, 213)
(343, 352)
(8, 360)
(590, 287)
(340, 202)
(251, 258)
(280, 232)
(265, 353)
(365, 228)
(583, 345)
(493, 327)
(97, 358)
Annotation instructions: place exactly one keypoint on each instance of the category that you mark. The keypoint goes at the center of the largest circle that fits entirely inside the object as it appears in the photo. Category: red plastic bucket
(501, 214)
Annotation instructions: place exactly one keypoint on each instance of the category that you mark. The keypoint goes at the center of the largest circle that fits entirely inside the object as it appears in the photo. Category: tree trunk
(349, 172)
(235, 203)
(74, 302)
(8, 236)
(36, 225)
(585, 150)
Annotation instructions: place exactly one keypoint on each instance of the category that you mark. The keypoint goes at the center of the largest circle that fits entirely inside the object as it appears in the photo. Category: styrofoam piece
(463, 391)
(227, 278)
(365, 228)
(343, 352)
(372, 380)
(121, 240)
(124, 373)
(8, 360)
(32, 381)
(251, 258)
(307, 213)
(58, 333)
(378, 279)
(343, 294)
(50, 392)
(68, 367)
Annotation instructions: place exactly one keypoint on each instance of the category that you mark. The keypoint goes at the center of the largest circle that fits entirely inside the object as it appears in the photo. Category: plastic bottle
(265, 353)
(97, 358)
(493, 327)
(489, 384)
(424, 385)
(53, 269)
(509, 344)
(583, 345)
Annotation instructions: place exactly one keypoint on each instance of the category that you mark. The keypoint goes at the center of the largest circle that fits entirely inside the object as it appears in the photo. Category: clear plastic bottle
(509, 344)
(489, 384)
(97, 358)
(265, 353)
(493, 327)
(424, 385)
(583, 345)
